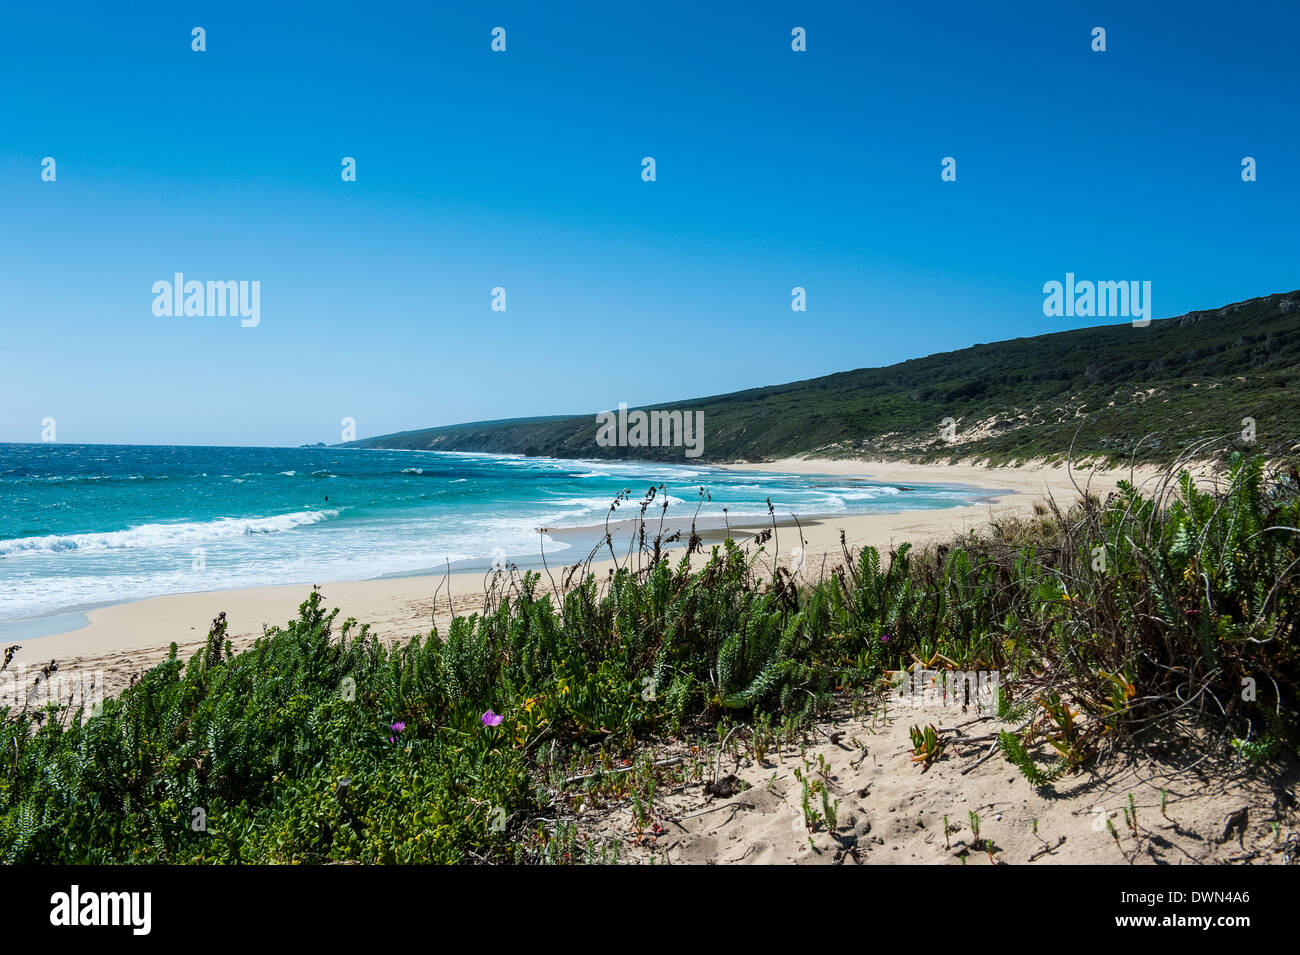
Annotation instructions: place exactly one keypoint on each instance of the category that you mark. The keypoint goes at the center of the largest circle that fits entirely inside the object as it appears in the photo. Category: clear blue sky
(523, 170)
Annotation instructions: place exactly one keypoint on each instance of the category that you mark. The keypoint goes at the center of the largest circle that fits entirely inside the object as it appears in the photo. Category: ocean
(87, 525)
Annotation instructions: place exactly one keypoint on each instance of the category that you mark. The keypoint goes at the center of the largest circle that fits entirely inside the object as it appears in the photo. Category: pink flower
(491, 719)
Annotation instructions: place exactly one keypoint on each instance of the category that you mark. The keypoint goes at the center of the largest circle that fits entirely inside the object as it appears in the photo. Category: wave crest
(163, 535)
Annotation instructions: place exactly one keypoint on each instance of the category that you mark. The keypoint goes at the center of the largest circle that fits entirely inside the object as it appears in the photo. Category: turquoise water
(87, 525)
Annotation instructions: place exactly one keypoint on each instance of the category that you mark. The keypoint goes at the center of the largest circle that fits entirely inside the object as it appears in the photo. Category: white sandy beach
(125, 638)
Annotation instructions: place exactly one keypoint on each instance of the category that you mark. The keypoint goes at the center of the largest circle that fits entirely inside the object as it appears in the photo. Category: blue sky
(523, 170)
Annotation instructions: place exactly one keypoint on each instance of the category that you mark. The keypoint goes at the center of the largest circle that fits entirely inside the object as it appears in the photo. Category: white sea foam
(589, 502)
(860, 493)
(163, 535)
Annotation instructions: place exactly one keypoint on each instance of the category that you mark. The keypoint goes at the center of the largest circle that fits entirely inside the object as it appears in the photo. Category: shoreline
(581, 539)
(123, 638)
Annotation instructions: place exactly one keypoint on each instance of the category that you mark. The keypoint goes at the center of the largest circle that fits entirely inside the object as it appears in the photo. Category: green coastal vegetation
(1112, 623)
(1117, 392)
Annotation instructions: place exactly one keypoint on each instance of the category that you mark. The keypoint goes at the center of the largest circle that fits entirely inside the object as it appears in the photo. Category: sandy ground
(126, 638)
(890, 809)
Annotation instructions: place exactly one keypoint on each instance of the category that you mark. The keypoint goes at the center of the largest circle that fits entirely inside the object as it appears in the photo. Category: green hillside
(1170, 383)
